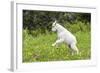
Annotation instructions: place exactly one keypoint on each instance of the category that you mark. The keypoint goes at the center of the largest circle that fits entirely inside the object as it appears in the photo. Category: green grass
(37, 49)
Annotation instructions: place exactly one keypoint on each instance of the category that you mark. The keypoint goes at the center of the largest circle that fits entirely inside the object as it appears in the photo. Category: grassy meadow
(37, 48)
(38, 37)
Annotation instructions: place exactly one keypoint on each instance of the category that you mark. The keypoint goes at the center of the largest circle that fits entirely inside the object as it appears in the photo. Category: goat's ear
(55, 21)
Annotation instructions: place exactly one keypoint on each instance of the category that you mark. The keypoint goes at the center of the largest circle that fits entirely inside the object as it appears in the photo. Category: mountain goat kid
(65, 36)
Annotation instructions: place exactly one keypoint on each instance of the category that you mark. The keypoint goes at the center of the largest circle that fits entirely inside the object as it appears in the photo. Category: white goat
(65, 36)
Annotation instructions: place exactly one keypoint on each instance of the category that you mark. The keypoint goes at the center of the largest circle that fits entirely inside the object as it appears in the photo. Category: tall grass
(38, 47)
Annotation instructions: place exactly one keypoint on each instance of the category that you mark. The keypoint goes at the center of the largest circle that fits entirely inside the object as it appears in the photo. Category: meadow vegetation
(38, 37)
(37, 45)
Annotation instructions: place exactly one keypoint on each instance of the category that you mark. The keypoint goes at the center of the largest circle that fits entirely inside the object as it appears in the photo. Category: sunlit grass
(37, 49)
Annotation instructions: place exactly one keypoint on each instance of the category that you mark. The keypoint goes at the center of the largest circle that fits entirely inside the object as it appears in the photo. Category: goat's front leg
(57, 42)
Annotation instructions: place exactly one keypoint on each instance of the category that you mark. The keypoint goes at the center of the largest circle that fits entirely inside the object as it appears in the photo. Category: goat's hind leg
(70, 51)
(74, 49)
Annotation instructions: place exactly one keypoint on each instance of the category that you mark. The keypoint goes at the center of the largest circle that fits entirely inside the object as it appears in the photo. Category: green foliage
(38, 38)
(39, 48)
(78, 26)
(42, 20)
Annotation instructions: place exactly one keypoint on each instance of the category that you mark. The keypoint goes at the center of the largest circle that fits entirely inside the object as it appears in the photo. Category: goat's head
(54, 26)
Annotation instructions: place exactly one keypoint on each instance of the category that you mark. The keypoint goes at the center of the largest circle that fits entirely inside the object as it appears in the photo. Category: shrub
(77, 26)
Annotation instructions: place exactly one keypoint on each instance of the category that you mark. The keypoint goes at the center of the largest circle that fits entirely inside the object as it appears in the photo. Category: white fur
(65, 36)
